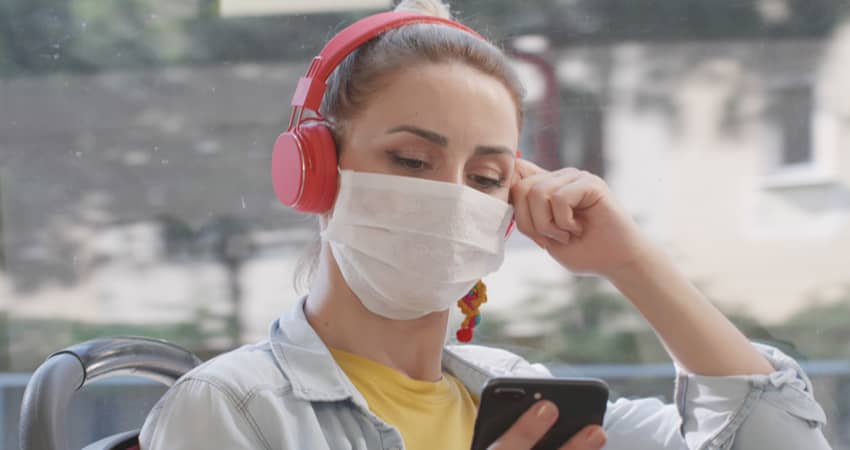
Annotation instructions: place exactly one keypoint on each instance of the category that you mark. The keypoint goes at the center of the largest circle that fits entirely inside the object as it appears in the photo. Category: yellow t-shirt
(428, 414)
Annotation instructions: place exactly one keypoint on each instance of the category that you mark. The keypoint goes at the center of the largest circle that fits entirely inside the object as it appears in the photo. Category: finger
(524, 184)
(533, 213)
(590, 438)
(522, 213)
(516, 178)
(582, 193)
(564, 218)
(525, 168)
(529, 428)
(563, 213)
(540, 208)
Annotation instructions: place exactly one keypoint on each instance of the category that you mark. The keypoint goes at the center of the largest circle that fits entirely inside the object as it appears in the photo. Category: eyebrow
(442, 141)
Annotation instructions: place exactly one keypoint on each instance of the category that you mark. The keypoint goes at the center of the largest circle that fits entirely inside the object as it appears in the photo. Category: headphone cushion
(304, 168)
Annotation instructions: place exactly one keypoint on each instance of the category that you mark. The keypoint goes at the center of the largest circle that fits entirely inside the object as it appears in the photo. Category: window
(135, 140)
(793, 110)
(802, 137)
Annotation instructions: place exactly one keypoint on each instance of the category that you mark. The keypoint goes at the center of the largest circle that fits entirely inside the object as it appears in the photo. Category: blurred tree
(5, 341)
(228, 240)
(33, 35)
(820, 330)
(595, 324)
(177, 236)
(38, 36)
(2, 211)
(599, 325)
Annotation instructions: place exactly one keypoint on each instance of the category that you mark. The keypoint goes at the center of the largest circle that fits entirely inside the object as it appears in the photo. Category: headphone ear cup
(304, 168)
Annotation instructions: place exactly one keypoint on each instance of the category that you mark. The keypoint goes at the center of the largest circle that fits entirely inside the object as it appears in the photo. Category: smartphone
(581, 402)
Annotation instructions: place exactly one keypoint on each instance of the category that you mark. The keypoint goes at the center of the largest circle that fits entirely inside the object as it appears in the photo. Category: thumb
(590, 438)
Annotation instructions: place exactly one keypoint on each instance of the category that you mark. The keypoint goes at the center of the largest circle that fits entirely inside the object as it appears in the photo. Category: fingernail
(596, 438)
(546, 412)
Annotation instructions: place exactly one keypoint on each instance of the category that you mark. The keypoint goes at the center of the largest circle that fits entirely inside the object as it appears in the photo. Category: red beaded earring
(469, 305)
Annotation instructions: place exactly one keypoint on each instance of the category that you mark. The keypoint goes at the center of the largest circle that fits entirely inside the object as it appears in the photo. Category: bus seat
(48, 393)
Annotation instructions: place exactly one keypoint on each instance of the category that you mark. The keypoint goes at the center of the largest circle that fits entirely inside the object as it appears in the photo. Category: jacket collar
(314, 374)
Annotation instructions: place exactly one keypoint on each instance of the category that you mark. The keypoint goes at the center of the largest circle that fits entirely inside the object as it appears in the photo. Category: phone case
(581, 402)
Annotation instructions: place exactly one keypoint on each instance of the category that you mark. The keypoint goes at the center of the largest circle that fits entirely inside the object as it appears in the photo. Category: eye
(486, 183)
(407, 162)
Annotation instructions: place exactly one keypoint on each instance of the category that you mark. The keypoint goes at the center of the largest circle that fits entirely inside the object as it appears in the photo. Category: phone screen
(581, 402)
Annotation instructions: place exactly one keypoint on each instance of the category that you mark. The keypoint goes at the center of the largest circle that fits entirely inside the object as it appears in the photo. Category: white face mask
(408, 247)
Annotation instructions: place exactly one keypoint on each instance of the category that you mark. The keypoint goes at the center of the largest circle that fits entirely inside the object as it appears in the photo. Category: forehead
(447, 97)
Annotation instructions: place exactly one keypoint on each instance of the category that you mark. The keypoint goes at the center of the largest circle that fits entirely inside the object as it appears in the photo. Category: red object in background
(547, 132)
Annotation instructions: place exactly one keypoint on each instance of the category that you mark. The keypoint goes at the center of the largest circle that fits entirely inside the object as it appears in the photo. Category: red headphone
(304, 162)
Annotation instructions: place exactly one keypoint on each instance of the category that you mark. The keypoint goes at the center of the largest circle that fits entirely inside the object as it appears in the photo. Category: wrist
(645, 257)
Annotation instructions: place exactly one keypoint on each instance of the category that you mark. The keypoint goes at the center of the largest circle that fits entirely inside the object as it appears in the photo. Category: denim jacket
(288, 393)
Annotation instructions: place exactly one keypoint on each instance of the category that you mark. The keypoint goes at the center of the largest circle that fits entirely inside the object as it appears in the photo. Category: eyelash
(487, 182)
(412, 164)
(408, 163)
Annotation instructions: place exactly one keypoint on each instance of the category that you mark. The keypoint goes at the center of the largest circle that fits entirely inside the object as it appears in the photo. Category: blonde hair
(362, 73)
(429, 7)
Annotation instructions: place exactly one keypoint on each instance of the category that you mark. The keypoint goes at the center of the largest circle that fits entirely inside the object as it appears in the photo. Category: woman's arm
(573, 216)
(729, 393)
(197, 414)
(743, 412)
(698, 336)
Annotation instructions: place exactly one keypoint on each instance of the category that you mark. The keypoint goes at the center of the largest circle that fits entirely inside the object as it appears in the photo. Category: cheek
(502, 194)
(358, 160)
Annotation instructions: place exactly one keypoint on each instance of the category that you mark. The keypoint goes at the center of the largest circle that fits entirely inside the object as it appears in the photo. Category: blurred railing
(121, 403)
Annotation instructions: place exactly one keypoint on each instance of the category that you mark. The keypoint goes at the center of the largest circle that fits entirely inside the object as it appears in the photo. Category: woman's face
(443, 122)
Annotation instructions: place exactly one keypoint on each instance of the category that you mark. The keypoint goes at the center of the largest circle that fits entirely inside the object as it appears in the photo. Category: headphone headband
(311, 87)
(304, 160)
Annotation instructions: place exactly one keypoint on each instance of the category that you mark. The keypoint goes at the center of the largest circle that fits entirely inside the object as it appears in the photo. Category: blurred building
(726, 139)
(735, 154)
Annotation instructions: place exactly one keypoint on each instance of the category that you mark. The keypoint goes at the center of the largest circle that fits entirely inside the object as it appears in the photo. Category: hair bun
(429, 7)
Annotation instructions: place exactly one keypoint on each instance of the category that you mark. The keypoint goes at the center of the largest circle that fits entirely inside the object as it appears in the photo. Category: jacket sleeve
(198, 413)
(753, 412)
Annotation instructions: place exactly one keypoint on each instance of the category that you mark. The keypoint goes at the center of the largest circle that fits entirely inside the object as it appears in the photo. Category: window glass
(136, 136)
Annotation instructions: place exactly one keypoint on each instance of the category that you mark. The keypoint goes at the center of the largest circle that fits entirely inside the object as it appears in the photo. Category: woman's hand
(532, 425)
(572, 214)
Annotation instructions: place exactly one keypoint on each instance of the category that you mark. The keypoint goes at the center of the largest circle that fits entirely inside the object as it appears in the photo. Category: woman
(426, 119)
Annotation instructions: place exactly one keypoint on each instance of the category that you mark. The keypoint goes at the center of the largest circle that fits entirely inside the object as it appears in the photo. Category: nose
(451, 173)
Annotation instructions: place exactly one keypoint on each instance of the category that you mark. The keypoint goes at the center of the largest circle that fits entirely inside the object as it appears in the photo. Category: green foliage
(821, 330)
(596, 325)
(599, 325)
(29, 341)
(125, 33)
(45, 36)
